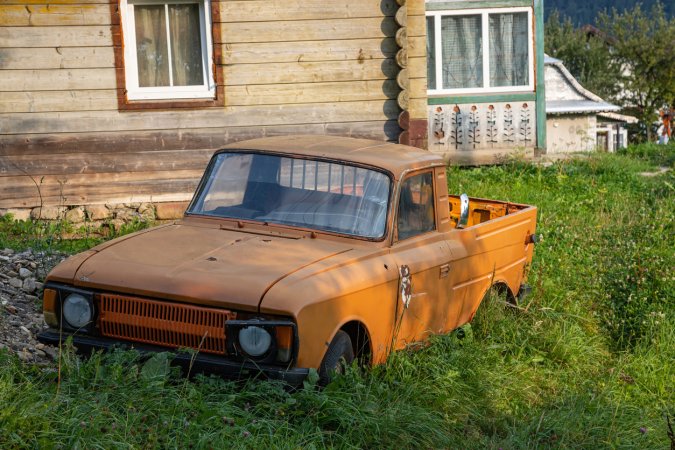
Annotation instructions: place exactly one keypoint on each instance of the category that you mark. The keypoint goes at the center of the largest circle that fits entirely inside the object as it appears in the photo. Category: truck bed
(482, 210)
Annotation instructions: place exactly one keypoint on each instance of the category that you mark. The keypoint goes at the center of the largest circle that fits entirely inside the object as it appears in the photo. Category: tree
(643, 43)
(585, 55)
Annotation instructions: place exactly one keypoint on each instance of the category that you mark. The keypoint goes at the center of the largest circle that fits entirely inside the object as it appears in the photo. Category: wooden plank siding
(291, 66)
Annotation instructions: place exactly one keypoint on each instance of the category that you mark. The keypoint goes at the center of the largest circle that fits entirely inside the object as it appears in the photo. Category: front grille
(162, 323)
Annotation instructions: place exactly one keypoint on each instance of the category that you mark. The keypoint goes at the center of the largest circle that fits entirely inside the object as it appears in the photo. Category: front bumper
(201, 363)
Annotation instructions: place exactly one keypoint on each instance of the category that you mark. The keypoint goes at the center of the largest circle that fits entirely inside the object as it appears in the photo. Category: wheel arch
(361, 342)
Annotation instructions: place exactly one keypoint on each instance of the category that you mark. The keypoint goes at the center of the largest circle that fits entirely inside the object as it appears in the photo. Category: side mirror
(463, 211)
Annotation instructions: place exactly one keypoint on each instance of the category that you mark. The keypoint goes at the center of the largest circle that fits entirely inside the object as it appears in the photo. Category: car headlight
(255, 341)
(77, 310)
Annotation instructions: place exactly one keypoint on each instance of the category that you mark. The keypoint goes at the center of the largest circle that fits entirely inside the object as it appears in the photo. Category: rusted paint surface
(399, 291)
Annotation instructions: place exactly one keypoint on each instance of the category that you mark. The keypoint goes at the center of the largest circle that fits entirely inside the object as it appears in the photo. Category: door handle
(445, 270)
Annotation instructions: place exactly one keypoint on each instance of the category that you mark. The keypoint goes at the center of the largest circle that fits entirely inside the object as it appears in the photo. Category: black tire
(339, 355)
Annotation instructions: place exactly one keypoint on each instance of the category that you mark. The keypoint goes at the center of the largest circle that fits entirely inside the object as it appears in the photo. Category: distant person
(664, 130)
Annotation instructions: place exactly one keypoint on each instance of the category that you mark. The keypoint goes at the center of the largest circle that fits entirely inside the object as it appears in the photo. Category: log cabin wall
(292, 66)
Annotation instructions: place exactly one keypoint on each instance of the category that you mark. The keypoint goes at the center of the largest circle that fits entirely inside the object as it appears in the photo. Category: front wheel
(339, 355)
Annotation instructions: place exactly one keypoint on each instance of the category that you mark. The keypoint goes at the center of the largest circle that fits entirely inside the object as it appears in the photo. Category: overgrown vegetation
(58, 235)
(587, 362)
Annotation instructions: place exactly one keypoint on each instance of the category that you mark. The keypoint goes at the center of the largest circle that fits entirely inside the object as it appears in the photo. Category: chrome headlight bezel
(63, 293)
(272, 354)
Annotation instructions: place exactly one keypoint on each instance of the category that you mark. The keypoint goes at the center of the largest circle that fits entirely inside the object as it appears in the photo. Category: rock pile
(21, 276)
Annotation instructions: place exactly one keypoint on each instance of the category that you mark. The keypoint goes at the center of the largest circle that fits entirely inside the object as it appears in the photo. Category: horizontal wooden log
(310, 72)
(107, 162)
(308, 30)
(66, 36)
(415, 7)
(417, 26)
(54, 15)
(281, 94)
(56, 79)
(102, 121)
(417, 67)
(57, 58)
(418, 88)
(22, 192)
(308, 51)
(57, 101)
(274, 10)
(417, 46)
(56, 2)
(61, 144)
(8, 184)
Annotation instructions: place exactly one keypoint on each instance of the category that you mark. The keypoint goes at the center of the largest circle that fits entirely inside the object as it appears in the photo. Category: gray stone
(29, 285)
(51, 352)
(75, 215)
(25, 273)
(147, 211)
(126, 215)
(18, 214)
(98, 212)
(48, 213)
(25, 356)
(16, 283)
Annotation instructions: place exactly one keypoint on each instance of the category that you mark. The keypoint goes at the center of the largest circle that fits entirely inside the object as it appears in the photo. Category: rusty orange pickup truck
(297, 252)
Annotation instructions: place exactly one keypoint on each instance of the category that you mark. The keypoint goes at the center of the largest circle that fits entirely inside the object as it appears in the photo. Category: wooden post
(412, 80)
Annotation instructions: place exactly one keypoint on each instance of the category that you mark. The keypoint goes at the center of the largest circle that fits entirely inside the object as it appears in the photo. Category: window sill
(125, 104)
(444, 99)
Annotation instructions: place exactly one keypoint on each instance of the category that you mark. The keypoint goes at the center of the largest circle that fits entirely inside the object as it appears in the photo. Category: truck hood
(201, 265)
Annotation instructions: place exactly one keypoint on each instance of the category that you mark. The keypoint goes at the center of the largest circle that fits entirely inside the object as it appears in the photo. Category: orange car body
(180, 284)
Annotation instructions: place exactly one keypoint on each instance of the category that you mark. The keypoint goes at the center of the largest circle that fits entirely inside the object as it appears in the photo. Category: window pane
(227, 182)
(416, 206)
(431, 53)
(462, 52)
(509, 50)
(273, 189)
(186, 45)
(151, 50)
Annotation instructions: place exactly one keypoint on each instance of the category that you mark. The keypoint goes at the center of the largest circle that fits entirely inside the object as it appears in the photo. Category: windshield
(306, 193)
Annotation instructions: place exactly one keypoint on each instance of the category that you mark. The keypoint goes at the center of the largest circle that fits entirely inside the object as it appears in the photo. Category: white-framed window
(167, 49)
(480, 50)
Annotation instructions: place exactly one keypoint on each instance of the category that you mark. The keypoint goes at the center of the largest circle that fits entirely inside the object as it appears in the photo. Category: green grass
(59, 235)
(589, 364)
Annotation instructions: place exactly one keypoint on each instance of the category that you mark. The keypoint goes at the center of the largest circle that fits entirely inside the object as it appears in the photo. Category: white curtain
(152, 51)
(462, 51)
(186, 45)
(509, 49)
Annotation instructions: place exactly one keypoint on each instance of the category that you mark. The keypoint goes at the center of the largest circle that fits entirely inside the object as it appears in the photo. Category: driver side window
(416, 206)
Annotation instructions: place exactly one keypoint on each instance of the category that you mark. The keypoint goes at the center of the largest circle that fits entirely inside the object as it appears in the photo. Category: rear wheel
(339, 355)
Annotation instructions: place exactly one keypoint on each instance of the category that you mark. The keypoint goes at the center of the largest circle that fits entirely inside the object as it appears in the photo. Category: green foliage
(661, 155)
(57, 236)
(642, 42)
(587, 361)
(629, 63)
(583, 12)
(587, 58)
